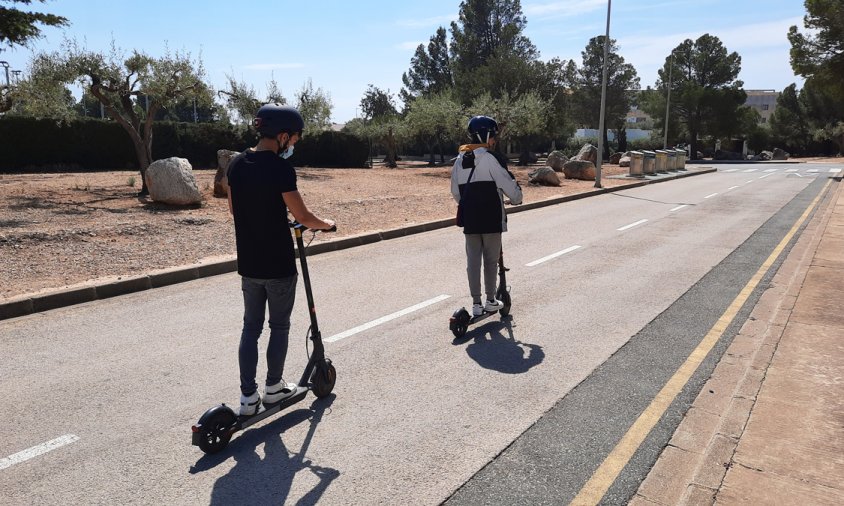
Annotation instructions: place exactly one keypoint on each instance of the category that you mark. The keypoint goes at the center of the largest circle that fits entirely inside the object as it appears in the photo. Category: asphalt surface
(415, 414)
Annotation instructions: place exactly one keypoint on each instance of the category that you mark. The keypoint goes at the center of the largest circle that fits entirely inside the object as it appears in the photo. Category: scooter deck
(482, 316)
(266, 412)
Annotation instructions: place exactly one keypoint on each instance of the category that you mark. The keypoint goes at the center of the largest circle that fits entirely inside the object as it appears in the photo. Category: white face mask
(287, 153)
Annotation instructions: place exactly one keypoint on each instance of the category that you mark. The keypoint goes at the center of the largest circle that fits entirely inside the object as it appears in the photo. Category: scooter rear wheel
(216, 432)
(324, 378)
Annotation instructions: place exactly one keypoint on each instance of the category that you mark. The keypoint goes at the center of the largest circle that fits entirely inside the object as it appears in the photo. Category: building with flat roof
(764, 101)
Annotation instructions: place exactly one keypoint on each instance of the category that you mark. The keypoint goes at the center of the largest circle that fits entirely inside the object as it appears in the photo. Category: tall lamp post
(667, 103)
(5, 65)
(600, 156)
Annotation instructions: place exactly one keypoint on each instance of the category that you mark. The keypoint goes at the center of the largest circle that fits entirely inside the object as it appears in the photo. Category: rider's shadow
(257, 481)
(492, 349)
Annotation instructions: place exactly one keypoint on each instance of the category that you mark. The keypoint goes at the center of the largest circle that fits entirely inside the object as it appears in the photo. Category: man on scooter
(262, 189)
(479, 181)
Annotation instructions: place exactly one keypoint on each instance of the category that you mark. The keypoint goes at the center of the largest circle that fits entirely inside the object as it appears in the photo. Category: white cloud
(409, 46)
(273, 66)
(752, 42)
(563, 8)
(427, 22)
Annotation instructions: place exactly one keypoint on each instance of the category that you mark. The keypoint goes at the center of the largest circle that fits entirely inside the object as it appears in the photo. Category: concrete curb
(35, 303)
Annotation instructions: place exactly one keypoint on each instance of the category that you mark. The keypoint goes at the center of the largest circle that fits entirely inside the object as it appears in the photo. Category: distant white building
(764, 101)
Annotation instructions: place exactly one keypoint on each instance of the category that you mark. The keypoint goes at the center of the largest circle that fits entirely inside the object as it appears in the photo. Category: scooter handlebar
(296, 225)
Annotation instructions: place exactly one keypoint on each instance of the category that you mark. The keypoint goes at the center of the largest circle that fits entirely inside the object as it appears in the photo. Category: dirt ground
(60, 230)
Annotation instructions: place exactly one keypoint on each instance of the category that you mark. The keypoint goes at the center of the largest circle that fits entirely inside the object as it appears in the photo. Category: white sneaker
(278, 392)
(493, 305)
(477, 309)
(249, 405)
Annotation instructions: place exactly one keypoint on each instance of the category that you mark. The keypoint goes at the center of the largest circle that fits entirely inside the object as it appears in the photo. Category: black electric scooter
(215, 428)
(461, 319)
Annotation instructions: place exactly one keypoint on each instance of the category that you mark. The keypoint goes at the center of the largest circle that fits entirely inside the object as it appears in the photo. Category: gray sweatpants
(486, 248)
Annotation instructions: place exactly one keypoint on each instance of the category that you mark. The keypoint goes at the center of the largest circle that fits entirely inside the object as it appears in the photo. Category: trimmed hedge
(30, 144)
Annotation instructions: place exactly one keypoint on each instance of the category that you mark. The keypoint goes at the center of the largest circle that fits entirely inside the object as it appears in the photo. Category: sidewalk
(768, 426)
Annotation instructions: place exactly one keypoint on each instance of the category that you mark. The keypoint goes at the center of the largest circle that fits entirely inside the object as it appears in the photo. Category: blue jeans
(258, 294)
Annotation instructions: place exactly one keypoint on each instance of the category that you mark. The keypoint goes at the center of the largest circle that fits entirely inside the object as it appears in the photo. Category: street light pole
(667, 103)
(600, 156)
(5, 65)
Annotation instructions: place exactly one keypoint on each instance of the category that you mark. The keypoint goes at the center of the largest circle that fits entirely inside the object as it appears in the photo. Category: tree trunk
(440, 148)
(390, 147)
(622, 139)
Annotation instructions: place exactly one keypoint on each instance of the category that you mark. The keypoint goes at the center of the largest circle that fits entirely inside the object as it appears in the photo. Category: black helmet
(482, 128)
(273, 119)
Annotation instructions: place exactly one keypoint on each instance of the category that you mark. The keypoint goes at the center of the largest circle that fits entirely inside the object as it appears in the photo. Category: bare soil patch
(60, 230)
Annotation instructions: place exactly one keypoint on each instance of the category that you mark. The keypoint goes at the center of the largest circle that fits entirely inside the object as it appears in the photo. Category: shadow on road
(492, 349)
(267, 480)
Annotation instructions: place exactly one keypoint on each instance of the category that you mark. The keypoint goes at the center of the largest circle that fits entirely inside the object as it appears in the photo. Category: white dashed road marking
(680, 207)
(625, 227)
(770, 170)
(812, 170)
(731, 170)
(35, 451)
(750, 170)
(385, 319)
(835, 171)
(766, 175)
(732, 188)
(710, 195)
(792, 170)
(552, 256)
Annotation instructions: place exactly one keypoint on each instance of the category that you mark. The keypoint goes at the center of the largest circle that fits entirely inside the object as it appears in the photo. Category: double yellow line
(594, 489)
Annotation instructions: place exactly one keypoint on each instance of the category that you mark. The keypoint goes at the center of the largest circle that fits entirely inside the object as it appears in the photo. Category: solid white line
(750, 170)
(552, 256)
(625, 227)
(385, 319)
(835, 171)
(732, 188)
(679, 207)
(766, 175)
(37, 450)
(710, 195)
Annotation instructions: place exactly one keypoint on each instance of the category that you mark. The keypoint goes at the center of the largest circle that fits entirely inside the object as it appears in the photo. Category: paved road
(99, 397)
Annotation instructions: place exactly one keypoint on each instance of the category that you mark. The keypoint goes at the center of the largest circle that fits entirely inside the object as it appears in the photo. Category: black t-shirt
(264, 243)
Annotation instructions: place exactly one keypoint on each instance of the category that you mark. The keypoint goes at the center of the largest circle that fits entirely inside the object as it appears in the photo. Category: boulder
(588, 153)
(779, 154)
(544, 176)
(556, 159)
(615, 157)
(765, 155)
(579, 169)
(171, 181)
(727, 155)
(221, 187)
(624, 161)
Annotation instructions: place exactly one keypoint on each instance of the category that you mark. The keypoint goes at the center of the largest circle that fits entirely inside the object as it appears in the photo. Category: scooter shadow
(267, 480)
(494, 350)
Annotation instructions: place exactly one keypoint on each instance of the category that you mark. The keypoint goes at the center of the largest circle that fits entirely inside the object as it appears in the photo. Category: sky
(344, 46)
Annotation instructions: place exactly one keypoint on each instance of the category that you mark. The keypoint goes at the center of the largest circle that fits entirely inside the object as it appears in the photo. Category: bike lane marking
(37, 450)
(385, 319)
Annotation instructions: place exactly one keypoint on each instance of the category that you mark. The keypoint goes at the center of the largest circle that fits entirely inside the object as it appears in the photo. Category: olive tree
(117, 80)
(434, 120)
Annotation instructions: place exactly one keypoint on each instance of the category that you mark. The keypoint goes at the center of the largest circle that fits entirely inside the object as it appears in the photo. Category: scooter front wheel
(323, 379)
(504, 297)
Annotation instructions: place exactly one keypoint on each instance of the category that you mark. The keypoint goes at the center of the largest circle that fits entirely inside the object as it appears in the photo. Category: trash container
(636, 164)
(671, 164)
(661, 160)
(648, 165)
(681, 159)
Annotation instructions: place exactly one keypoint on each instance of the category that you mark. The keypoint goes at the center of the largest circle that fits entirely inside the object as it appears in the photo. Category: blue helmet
(273, 119)
(482, 128)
